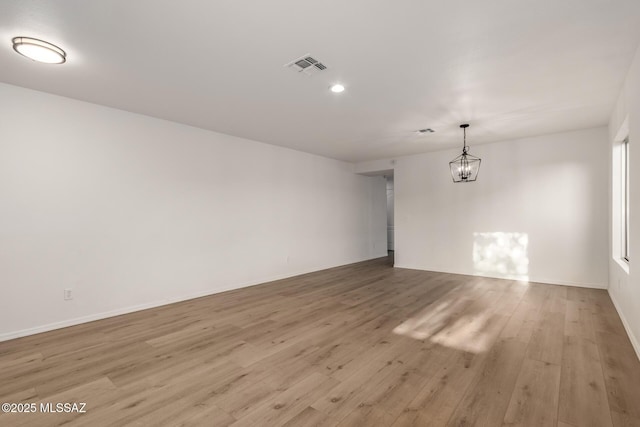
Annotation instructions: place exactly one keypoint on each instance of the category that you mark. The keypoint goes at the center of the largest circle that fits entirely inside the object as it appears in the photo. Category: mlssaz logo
(63, 407)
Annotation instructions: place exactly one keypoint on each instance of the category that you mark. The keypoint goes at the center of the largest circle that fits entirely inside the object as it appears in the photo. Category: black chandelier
(465, 167)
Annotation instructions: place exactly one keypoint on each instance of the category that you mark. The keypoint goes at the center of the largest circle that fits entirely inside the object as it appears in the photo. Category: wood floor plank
(583, 397)
(383, 403)
(624, 420)
(578, 321)
(534, 401)
(435, 402)
(353, 391)
(621, 369)
(93, 394)
(487, 399)
(546, 342)
(206, 415)
(283, 407)
(523, 322)
(245, 399)
(141, 398)
(309, 417)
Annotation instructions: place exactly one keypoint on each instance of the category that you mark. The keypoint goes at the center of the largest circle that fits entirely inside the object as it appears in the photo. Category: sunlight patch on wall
(501, 254)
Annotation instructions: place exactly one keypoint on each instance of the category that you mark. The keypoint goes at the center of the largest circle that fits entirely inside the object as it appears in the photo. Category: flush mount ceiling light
(337, 88)
(465, 167)
(39, 50)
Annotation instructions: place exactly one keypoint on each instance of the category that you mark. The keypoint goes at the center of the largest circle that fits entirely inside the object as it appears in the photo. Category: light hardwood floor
(363, 344)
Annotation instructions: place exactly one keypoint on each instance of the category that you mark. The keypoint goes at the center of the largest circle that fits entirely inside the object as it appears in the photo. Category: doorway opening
(390, 218)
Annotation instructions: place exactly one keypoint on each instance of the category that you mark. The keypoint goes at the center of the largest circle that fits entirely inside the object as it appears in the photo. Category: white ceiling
(510, 68)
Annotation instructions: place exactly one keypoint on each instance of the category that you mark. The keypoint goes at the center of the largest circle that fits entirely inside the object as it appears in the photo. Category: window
(624, 179)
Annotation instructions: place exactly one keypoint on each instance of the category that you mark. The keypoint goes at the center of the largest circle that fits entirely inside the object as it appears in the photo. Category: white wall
(625, 286)
(131, 212)
(538, 211)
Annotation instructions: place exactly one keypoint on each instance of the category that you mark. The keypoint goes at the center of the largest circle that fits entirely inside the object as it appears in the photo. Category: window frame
(624, 180)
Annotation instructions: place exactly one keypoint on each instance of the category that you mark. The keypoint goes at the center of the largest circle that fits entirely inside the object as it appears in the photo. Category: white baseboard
(634, 341)
(569, 283)
(530, 279)
(125, 310)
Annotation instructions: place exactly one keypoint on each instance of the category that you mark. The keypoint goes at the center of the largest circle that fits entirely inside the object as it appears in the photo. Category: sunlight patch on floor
(456, 322)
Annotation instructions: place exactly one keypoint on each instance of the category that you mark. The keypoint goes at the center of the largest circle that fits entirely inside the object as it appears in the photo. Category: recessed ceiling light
(337, 88)
(39, 50)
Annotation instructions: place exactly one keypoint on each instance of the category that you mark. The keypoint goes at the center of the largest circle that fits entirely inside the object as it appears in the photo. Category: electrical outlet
(68, 294)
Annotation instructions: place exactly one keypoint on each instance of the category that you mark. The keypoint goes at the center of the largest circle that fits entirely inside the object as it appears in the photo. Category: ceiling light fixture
(465, 167)
(337, 88)
(39, 50)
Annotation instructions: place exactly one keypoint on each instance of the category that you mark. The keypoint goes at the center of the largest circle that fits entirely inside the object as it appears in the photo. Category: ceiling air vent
(306, 64)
